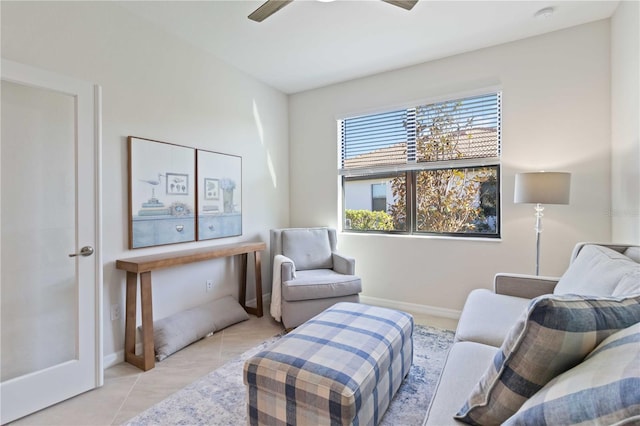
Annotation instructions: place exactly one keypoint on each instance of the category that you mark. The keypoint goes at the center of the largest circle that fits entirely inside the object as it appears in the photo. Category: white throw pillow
(596, 271)
(629, 284)
(633, 253)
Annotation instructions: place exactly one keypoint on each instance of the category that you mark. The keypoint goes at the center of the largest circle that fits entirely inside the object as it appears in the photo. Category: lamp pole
(539, 208)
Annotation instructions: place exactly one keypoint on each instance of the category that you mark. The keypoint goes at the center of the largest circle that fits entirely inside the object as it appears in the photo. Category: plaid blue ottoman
(341, 367)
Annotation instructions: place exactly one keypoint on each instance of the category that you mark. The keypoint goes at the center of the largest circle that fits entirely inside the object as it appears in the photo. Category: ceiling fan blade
(267, 9)
(405, 4)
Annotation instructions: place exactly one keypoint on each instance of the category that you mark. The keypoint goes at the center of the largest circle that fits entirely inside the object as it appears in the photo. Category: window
(379, 197)
(429, 169)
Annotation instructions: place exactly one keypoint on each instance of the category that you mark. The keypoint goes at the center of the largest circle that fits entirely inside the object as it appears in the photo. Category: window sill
(423, 237)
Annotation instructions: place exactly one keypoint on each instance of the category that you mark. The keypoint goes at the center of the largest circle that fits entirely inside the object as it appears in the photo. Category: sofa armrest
(527, 286)
(343, 264)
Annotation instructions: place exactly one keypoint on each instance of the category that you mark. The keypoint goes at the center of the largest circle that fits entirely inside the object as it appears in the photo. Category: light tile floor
(128, 391)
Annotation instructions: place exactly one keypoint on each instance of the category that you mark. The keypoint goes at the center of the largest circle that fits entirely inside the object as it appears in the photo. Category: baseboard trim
(113, 359)
(411, 307)
(116, 358)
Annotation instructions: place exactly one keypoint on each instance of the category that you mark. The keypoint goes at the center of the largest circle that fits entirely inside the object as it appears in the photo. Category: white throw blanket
(276, 286)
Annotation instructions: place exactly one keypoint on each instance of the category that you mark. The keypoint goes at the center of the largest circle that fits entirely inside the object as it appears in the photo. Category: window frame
(497, 234)
(410, 204)
(388, 175)
(412, 169)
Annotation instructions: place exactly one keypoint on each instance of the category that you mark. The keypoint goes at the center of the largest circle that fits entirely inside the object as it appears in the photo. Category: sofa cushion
(465, 364)
(320, 284)
(553, 335)
(309, 248)
(603, 389)
(596, 271)
(487, 317)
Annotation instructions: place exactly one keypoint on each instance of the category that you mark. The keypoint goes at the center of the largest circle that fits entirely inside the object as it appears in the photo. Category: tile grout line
(221, 345)
(115, 416)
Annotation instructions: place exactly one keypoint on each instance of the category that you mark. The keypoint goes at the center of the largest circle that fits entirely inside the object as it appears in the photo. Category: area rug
(219, 397)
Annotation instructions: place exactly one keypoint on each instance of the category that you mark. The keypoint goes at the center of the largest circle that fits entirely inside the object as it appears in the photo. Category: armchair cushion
(320, 284)
(308, 248)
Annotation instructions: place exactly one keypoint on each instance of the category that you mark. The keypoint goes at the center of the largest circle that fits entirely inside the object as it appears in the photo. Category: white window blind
(456, 133)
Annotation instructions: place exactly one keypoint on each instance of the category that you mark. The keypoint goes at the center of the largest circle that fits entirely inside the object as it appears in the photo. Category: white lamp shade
(542, 187)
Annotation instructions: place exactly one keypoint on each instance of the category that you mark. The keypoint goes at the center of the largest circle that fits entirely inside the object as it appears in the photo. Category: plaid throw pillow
(603, 389)
(553, 335)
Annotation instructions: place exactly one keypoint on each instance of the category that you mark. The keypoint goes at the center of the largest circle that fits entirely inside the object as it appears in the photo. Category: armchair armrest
(343, 264)
(527, 286)
(287, 269)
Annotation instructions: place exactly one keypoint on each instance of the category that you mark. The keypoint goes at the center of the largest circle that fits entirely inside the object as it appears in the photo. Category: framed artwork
(211, 189)
(161, 200)
(177, 183)
(219, 196)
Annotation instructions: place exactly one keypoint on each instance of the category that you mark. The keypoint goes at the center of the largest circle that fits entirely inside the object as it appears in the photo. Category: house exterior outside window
(379, 197)
(439, 165)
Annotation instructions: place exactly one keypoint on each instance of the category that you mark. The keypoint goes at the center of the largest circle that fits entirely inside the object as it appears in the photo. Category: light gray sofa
(488, 316)
(312, 275)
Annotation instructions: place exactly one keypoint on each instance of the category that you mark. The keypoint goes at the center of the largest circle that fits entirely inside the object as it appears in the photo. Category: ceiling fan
(270, 7)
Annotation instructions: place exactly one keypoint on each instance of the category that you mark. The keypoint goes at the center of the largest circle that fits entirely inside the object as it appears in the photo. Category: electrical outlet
(209, 285)
(115, 312)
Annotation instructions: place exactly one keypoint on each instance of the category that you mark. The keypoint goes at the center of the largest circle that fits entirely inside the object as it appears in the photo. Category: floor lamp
(542, 188)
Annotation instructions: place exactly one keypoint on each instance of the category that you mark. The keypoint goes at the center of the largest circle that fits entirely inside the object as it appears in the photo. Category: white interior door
(50, 263)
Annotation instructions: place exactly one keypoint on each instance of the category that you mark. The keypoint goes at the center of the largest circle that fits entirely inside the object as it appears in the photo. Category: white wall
(556, 116)
(625, 123)
(158, 87)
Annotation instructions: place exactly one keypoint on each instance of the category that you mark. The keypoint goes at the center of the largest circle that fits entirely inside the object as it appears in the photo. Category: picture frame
(211, 189)
(177, 183)
(219, 196)
(160, 214)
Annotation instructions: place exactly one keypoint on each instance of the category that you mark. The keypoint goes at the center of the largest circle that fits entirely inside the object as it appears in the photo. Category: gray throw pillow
(227, 311)
(173, 333)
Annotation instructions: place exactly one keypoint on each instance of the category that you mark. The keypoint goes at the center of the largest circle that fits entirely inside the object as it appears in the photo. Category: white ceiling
(310, 44)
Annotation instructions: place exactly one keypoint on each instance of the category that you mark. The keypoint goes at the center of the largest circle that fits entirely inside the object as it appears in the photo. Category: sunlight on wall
(256, 117)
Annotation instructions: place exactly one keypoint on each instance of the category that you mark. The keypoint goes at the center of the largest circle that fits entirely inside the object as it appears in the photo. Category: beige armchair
(309, 275)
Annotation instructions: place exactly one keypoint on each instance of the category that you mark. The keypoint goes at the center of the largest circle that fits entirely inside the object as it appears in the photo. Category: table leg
(258, 273)
(146, 360)
(130, 319)
(257, 311)
(148, 351)
(243, 282)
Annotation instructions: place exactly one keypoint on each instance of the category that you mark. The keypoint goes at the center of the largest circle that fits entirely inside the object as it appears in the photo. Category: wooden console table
(143, 266)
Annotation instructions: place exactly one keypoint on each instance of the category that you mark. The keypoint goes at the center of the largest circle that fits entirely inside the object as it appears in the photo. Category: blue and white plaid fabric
(603, 389)
(341, 367)
(552, 336)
